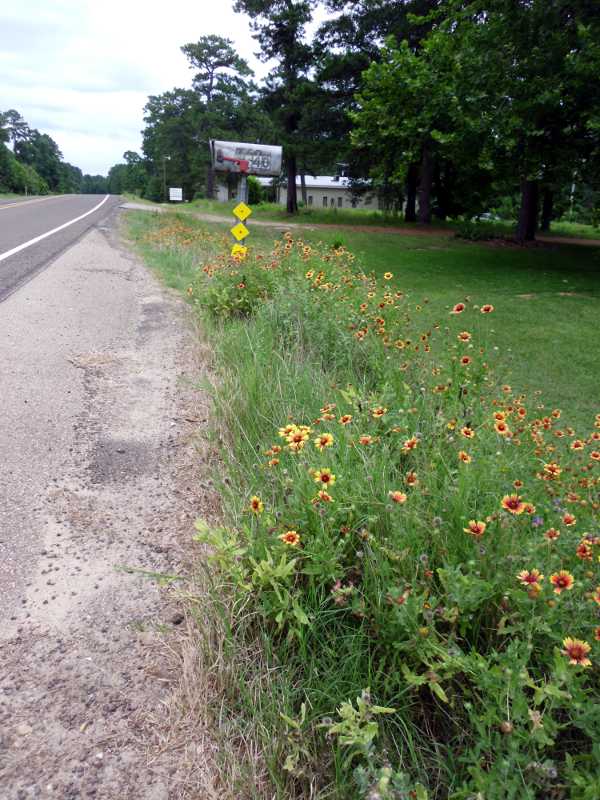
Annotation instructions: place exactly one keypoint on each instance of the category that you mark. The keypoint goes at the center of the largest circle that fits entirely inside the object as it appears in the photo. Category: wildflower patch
(401, 519)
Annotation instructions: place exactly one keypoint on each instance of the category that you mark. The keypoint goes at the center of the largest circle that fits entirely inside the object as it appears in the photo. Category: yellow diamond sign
(242, 212)
(240, 231)
(239, 250)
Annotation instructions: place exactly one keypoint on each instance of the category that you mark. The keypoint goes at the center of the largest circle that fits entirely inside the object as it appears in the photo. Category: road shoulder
(107, 470)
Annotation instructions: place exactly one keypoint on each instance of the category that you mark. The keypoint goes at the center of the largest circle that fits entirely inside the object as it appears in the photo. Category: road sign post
(240, 231)
(244, 159)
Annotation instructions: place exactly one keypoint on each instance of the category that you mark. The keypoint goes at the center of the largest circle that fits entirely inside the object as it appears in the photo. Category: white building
(322, 191)
(325, 191)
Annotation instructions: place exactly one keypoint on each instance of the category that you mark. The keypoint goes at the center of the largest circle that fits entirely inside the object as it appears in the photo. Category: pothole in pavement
(116, 460)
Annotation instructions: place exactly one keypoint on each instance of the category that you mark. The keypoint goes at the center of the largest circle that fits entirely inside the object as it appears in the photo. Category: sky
(81, 71)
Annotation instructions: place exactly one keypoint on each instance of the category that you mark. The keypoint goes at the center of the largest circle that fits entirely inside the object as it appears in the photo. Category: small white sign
(175, 194)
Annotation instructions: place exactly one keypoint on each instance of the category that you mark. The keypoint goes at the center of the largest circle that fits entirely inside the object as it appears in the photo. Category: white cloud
(81, 70)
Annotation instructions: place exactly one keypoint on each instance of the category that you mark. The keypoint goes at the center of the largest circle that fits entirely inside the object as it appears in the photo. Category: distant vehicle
(487, 217)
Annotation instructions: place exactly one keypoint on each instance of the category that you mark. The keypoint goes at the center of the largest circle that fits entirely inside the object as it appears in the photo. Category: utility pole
(164, 160)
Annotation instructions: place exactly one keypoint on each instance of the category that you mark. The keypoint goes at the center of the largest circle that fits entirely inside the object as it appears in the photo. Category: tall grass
(390, 553)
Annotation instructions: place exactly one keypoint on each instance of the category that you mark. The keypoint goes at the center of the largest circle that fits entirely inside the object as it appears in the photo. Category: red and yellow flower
(487, 308)
(551, 534)
(464, 457)
(562, 581)
(411, 479)
(458, 308)
(502, 428)
(324, 476)
(513, 504)
(323, 441)
(291, 538)
(576, 650)
(467, 432)
(531, 578)
(324, 496)
(410, 444)
(287, 430)
(476, 528)
(552, 470)
(345, 419)
(378, 412)
(584, 551)
(569, 520)
(256, 505)
(464, 336)
(398, 497)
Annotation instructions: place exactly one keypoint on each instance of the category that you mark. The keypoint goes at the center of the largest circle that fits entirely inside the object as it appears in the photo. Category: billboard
(175, 194)
(245, 158)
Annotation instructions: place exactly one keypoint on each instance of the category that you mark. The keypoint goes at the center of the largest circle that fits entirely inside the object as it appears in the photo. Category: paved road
(29, 238)
(97, 462)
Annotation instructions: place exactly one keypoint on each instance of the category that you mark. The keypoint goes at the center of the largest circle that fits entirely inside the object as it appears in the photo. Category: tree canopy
(440, 108)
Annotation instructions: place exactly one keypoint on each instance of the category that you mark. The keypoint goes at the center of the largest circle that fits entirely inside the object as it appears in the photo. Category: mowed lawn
(546, 323)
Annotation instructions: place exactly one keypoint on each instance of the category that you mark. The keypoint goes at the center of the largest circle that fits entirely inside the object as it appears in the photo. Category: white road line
(28, 202)
(37, 239)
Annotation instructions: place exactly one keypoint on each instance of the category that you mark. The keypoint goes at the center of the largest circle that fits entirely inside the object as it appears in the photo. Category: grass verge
(407, 574)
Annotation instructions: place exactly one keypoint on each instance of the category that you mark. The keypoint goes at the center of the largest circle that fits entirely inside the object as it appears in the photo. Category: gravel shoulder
(99, 486)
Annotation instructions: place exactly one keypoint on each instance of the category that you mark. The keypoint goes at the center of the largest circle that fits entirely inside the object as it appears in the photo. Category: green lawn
(547, 301)
(359, 217)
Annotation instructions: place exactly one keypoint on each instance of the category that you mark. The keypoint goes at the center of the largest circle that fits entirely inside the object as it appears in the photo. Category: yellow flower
(324, 476)
(323, 441)
(256, 505)
(291, 538)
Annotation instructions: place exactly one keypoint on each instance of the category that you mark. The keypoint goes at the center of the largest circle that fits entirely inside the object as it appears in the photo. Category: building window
(332, 203)
(310, 199)
(340, 202)
(325, 201)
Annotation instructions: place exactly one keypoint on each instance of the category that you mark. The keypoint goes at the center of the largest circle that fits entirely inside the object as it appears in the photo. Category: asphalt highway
(34, 231)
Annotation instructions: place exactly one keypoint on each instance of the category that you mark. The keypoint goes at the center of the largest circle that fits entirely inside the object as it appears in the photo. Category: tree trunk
(547, 209)
(425, 185)
(292, 198)
(528, 213)
(410, 213)
(303, 188)
(210, 182)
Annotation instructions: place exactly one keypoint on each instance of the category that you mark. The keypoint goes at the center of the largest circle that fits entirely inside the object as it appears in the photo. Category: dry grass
(215, 753)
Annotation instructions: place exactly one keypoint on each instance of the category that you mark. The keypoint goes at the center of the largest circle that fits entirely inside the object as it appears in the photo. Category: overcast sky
(81, 70)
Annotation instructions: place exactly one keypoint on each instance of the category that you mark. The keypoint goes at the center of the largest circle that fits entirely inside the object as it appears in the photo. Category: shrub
(480, 231)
